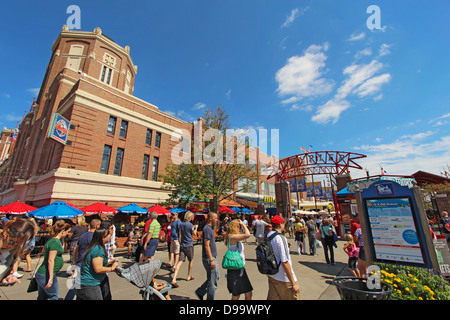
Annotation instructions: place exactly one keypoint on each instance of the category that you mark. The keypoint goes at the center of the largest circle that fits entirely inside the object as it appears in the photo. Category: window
(111, 125)
(155, 168)
(158, 140)
(123, 129)
(145, 166)
(148, 137)
(105, 159)
(119, 160)
(106, 75)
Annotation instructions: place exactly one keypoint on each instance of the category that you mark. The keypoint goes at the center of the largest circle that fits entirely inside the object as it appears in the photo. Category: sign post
(394, 224)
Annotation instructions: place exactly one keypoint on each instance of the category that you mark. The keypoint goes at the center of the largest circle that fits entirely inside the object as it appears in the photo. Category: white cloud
(373, 85)
(34, 91)
(355, 37)
(295, 13)
(228, 93)
(6, 95)
(330, 111)
(199, 105)
(384, 49)
(406, 155)
(302, 75)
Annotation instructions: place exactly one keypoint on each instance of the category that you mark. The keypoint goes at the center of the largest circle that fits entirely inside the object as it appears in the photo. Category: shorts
(362, 254)
(298, 236)
(238, 282)
(352, 262)
(151, 248)
(186, 252)
(279, 290)
(175, 246)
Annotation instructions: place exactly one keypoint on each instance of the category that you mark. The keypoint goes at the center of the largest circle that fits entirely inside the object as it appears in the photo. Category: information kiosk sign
(395, 231)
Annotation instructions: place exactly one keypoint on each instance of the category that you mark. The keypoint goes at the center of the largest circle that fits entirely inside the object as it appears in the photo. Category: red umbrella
(224, 209)
(98, 208)
(17, 208)
(159, 210)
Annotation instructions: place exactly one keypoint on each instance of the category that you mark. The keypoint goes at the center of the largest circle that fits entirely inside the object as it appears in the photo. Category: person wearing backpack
(327, 240)
(283, 284)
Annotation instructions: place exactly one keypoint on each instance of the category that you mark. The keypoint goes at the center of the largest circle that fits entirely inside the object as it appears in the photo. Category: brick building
(117, 143)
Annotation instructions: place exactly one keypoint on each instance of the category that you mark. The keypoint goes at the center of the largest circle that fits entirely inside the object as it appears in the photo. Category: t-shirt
(186, 229)
(259, 225)
(298, 226)
(311, 226)
(208, 233)
(358, 234)
(175, 230)
(154, 229)
(54, 244)
(88, 276)
(77, 232)
(281, 252)
(83, 243)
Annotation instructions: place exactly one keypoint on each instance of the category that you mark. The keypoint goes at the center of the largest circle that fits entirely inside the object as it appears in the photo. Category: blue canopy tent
(177, 209)
(58, 210)
(132, 208)
(248, 211)
(236, 209)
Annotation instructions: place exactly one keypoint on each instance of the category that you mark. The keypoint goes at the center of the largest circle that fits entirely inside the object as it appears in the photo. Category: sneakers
(17, 275)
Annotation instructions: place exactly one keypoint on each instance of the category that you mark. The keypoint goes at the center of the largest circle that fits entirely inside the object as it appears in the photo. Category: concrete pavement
(313, 273)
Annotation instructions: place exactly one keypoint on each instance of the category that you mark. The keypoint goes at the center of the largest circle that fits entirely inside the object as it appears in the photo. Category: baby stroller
(142, 275)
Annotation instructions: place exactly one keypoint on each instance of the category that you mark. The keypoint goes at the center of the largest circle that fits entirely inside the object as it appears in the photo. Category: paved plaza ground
(313, 273)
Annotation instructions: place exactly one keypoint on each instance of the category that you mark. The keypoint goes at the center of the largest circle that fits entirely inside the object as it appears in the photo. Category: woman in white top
(237, 280)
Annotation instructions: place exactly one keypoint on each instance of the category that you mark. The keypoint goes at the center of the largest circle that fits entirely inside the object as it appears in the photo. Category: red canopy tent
(17, 208)
(99, 208)
(224, 209)
(159, 210)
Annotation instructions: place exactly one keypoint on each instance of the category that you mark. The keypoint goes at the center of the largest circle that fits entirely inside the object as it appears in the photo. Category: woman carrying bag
(328, 242)
(237, 279)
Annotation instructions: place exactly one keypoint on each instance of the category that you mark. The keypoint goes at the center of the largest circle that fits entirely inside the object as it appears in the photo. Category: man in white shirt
(283, 285)
(260, 226)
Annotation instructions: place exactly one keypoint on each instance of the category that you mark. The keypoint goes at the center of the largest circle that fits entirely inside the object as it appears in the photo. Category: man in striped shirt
(151, 239)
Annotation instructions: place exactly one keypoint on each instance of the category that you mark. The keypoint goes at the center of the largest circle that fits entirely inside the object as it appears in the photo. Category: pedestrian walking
(75, 233)
(13, 238)
(362, 263)
(94, 267)
(237, 280)
(46, 279)
(312, 229)
(174, 242)
(151, 239)
(283, 284)
(327, 241)
(352, 251)
(209, 259)
(259, 226)
(187, 229)
(299, 229)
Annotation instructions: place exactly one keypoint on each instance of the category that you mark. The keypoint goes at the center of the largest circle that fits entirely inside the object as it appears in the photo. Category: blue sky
(312, 69)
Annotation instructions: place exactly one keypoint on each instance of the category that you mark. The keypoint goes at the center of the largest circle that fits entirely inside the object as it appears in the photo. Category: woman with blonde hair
(237, 280)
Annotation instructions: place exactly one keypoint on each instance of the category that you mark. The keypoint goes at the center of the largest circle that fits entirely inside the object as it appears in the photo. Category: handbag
(232, 260)
(318, 236)
(33, 286)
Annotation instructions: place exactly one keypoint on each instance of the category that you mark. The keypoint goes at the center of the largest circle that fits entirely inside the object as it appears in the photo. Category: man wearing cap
(283, 284)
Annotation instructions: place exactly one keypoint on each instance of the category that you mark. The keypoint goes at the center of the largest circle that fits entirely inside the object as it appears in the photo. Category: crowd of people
(92, 245)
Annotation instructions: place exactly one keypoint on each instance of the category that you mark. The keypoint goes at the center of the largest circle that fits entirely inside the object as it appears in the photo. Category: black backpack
(265, 258)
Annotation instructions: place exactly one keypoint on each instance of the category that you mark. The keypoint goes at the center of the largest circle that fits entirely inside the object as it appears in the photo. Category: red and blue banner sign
(59, 128)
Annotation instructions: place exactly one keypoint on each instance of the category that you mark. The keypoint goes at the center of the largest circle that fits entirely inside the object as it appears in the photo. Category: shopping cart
(142, 275)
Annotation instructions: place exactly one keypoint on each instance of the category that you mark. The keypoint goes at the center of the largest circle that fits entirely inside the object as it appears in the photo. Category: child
(352, 251)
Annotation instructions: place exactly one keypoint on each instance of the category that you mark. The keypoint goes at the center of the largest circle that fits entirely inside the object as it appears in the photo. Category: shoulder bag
(232, 260)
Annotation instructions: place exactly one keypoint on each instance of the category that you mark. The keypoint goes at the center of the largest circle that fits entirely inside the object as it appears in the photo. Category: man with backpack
(282, 282)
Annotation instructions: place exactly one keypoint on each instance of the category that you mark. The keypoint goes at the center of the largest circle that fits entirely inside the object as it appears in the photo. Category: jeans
(89, 293)
(51, 293)
(328, 245)
(212, 276)
(312, 244)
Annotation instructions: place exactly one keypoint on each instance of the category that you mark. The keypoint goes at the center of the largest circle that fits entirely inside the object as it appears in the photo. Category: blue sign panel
(394, 227)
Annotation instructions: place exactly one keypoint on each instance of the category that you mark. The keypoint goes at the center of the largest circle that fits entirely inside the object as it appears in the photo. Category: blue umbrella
(236, 209)
(132, 208)
(177, 209)
(58, 209)
(245, 210)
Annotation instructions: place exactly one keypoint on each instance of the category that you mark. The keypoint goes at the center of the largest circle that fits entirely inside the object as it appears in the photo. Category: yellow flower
(398, 280)
(395, 286)
(415, 279)
(410, 275)
(413, 285)
(407, 289)
(420, 298)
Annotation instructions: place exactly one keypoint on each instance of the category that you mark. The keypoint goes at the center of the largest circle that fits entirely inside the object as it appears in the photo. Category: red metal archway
(315, 163)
